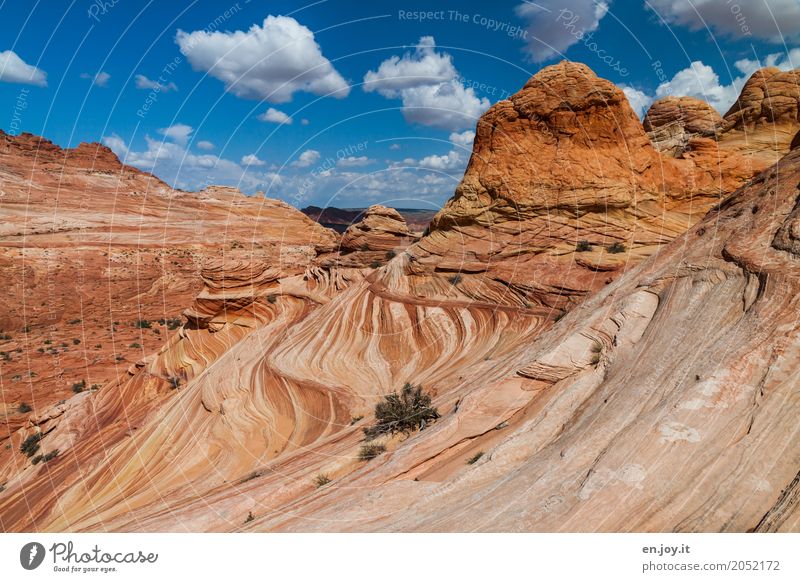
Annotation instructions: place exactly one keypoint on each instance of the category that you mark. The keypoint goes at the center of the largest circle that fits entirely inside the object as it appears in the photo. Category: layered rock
(381, 234)
(672, 122)
(581, 420)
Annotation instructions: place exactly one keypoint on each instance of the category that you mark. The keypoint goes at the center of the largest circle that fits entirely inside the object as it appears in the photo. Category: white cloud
(116, 143)
(428, 85)
(774, 20)
(252, 160)
(354, 162)
(556, 25)
(394, 147)
(452, 160)
(271, 62)
(14, 70)
(463, 139)
(175, 165)
(205, 145)
(143, 82)
(272, 115)
(701, 81)
(304, 121)
(639, 100)
(100, 79)
(306, 159)
(179, 133)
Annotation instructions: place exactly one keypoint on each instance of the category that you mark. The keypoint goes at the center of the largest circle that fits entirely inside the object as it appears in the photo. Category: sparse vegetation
(369, 451)
(616, 248)
(365, 247)
(74, 321)
(44, 458)
(455, 279)
(24, 407)
(250, 517)
(404, 412)
(355, 419)
(174, 382)
(136, 345)
(390, 255)
(321, 480)
(172, 323)
(583, 246)
(78, 387)
(474, 458)
(375, 265)
(143, 324)
(272, 298)
(31, 444)
(75, 341)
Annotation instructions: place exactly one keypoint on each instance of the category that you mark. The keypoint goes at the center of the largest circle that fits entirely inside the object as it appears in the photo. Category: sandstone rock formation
(380, 234)
(99, 260)
(672, 122)
(650, 389)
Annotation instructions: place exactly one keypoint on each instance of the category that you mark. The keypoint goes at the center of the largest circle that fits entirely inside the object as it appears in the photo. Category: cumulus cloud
(429, 86)
(271, 61)
(463, 139)
(143, 82)
(555, 25)
(116, 143)
(306, 159)
(639, 100)
(273, 115)
(354, 162)
(252, 160)
(205, 145)
(394, 147)
(179, 133)
(773, 20)
(701, 81)
(14, 70)
(100, 79)
(180, 168)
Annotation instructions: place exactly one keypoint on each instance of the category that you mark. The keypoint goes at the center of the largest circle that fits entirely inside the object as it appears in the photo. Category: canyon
(603, 314)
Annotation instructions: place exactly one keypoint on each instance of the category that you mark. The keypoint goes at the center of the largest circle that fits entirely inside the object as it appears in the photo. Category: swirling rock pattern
(605, 391)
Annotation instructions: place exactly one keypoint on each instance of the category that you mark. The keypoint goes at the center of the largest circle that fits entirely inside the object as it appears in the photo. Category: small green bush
(390, 255)
(143, 324)
(24, 407)
(455, 279)
(174, 382)
(369, 451)
(321, 480)
(410, 410)
(616, 248)
(31, 444)
(136, 345)
(375, 265)
(474, 458)
(78, 387)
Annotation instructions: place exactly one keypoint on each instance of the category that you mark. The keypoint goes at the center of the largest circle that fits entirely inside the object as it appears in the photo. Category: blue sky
(347, 103)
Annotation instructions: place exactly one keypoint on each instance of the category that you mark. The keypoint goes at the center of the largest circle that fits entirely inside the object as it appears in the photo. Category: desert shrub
(272, 298)
(250, 517)
(44, 458)
(455, 279)
(617, 247)
(142, 324)
(355, 419)
(174, 382)
(24, 407)
(78, 387)
(75, 341)
(370, 451)
(375, 265)
(583, 246)
(474, 458)
(136, 345)
(321, 480)
(31, 444)
(74, 321)
(365, 247)
(403, 412)
(390, 255)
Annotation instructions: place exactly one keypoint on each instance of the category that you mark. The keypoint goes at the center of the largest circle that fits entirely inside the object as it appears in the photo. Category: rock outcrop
(672, 122)
(600, 361)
